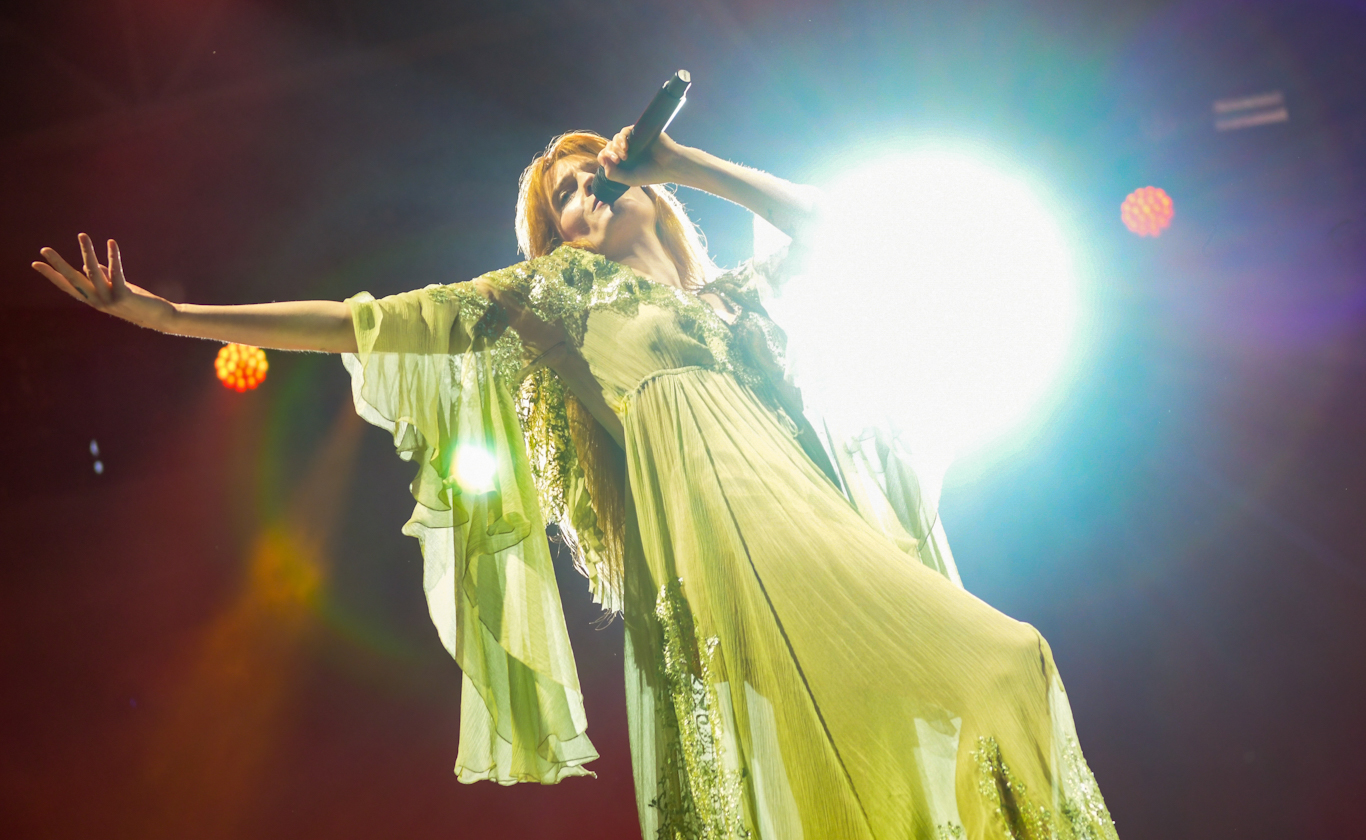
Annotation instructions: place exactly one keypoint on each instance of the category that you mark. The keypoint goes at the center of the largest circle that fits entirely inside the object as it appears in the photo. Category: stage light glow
(941, 302)
(1147, 211)
(241, 367)
(474, 468)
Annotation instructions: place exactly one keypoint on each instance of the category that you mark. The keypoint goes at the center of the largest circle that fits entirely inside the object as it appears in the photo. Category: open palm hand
(103, 286)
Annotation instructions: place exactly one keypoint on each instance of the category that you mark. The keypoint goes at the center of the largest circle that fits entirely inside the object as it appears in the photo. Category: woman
(790, 672)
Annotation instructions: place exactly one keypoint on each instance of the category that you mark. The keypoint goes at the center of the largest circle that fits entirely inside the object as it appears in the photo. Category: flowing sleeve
(433, 368)
(882, 483)
(777, 259)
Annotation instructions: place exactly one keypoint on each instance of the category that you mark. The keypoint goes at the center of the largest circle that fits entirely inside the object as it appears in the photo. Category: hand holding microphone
(642, 136)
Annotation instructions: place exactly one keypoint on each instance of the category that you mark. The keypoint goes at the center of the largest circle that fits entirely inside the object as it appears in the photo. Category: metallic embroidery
(1082, 813)
(699, 794)
(550, 449)
(1084, 808)
(564, 286)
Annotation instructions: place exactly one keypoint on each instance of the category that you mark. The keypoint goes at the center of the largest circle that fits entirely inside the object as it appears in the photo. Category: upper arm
(434, 320)
(536, 333)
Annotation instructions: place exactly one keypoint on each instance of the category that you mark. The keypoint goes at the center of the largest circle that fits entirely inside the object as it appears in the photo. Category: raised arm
(787, 206)
(320, 325)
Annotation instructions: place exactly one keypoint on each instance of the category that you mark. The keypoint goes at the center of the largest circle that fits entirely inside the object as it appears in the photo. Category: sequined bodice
(628, 329)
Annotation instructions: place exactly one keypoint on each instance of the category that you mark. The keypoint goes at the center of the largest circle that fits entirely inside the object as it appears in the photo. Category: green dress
(791, 672)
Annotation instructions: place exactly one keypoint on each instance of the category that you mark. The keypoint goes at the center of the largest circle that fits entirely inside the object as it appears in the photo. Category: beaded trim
(1082, 814)
(699, 795)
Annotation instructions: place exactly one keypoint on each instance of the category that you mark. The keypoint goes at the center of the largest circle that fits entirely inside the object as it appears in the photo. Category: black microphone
(658, 114)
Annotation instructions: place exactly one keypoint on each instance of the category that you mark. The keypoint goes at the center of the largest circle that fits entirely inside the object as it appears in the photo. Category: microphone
(658, 114)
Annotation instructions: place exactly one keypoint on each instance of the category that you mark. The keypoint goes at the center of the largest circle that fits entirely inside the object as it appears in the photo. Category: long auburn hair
(602, 460)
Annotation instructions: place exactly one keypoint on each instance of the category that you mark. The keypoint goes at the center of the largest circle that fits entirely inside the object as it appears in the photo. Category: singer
(790, 671)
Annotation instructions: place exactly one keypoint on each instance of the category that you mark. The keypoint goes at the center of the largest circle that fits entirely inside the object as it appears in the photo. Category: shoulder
(566, 266)
(748, 284)
(555, 290)
(761, 278)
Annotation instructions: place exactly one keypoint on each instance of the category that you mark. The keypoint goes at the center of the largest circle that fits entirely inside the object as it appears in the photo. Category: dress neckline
(727, 318)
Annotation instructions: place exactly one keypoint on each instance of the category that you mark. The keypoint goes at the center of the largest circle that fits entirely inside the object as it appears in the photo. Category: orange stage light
(241, 367)
(1147, 211)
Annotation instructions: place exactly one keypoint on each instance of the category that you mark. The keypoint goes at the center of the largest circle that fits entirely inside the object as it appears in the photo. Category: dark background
(223, 635)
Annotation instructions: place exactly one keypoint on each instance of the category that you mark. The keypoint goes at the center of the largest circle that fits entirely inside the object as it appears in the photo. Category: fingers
(60, 282)
(93, 270)
(116, 268)
(74, 278)
(609, 166)
(97, 285)
(617, 148)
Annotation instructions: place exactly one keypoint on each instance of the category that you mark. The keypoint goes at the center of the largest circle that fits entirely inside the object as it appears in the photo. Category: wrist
(164, 317)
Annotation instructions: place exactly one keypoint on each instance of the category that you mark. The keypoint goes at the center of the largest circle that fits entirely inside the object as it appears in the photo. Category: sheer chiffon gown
(790, 671)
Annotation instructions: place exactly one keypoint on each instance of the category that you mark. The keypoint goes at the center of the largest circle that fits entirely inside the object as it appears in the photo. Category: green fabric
(879, 480)
(790, 671)
(424, 372)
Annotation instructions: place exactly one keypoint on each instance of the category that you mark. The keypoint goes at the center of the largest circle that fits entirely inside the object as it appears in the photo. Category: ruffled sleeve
(433, 368)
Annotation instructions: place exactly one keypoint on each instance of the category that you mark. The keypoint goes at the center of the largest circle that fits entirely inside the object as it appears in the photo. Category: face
(612, 231)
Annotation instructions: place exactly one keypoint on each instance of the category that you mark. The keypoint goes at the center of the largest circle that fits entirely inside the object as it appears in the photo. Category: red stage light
(241, 367)
(1147, 211)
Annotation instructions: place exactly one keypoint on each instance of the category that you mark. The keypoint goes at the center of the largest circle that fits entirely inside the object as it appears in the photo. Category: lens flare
(474, 468)
(940, 302)
(1147, 211)
(241, 367)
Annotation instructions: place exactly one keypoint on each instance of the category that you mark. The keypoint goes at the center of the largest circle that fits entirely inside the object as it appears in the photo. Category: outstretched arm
(321, 325)
(787, 206)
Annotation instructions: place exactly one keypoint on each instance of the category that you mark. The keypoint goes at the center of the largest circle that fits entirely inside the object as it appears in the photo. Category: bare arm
(320, 325)
(787, 206)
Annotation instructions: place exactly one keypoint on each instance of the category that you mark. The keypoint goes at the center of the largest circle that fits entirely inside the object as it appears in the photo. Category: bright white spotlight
(474, 468)
(940, 301)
